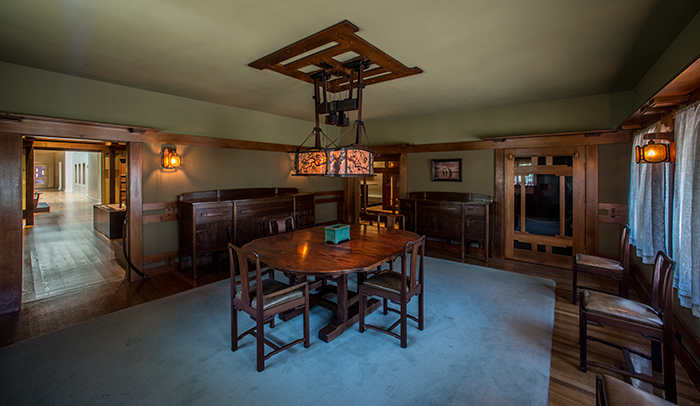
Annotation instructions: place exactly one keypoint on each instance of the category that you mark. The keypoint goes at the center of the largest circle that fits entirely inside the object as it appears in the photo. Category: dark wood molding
(591, 200)
(134, 207)
(529, 141)
(498, 202)
(11, 222)
(29, 182)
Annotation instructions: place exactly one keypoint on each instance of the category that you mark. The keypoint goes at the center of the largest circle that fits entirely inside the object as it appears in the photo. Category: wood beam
(134, 207)
(29, 183)
(532, 141)
(10, 222)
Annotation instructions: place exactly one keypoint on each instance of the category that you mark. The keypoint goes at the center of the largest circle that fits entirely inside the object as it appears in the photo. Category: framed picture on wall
(447, 170)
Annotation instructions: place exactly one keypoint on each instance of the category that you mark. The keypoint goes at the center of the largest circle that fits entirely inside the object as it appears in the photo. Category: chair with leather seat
(610, 268)
(263, 299)
(654, 322)
(398, 287)
(613, 392)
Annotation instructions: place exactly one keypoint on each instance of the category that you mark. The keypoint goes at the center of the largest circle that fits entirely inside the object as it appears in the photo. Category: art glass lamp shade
(652, 153)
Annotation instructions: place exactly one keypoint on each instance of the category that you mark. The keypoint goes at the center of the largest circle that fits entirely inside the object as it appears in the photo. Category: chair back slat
(662, 284)
(624, 258)
(415, 248)
(239, 261)
(391, 220)
(279, 226)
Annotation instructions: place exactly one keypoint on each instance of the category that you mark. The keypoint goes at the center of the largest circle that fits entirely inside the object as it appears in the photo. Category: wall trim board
(73, 129)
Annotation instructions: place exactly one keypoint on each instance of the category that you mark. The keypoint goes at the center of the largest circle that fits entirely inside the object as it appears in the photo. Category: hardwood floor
(62, 251)
(568, 386)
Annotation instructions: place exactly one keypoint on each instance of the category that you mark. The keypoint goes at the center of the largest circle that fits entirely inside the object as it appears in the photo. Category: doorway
(382, 192)
(544, 207)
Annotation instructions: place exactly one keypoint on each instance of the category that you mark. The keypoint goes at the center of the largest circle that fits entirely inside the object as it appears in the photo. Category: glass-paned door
(545, 197)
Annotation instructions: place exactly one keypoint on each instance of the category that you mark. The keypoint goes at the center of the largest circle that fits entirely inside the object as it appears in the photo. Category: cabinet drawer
(472, 209)
(212, 214)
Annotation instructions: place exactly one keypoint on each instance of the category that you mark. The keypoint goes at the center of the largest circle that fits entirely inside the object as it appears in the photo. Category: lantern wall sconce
(653, 152)
(170, 159)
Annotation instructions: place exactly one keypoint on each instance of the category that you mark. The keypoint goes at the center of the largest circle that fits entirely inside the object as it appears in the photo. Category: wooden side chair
(263, 300)
(372, 218)
(617, 270)
(653, 322)
(392, 220)
(611, 391)
(280, 226)
(399, 287)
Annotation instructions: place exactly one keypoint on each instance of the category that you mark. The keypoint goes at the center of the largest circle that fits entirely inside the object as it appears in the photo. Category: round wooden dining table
(305, 252)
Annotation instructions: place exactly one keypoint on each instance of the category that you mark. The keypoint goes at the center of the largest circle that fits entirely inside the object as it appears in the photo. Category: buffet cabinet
(210, 220)
(465, 217)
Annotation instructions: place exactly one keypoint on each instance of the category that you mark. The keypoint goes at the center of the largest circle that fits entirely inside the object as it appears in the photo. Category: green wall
(477, 172)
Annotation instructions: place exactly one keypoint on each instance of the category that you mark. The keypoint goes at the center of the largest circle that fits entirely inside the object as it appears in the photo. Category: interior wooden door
(545, 204)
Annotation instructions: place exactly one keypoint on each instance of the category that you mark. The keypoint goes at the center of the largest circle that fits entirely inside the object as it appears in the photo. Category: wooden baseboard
(687, 345)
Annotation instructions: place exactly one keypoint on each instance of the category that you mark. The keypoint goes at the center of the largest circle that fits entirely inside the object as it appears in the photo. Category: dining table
(305, 252)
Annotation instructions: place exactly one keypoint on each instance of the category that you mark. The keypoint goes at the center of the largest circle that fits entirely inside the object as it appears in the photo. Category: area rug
(487, 341)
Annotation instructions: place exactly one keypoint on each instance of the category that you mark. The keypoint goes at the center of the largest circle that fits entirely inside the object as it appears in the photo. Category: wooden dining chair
(654, 322)
(398, 287)
(610, 268)
(611, 391)
(280, 226)
(371, 218)
(263, 299)
(391, 220)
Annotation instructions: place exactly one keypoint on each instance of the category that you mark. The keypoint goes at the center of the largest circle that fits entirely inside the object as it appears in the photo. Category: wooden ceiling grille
(331, 43)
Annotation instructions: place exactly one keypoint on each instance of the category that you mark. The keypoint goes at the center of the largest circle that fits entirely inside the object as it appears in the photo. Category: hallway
(62, 251)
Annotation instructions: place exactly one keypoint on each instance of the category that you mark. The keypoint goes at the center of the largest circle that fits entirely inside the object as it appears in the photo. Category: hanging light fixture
(336, 52)
(330, 160)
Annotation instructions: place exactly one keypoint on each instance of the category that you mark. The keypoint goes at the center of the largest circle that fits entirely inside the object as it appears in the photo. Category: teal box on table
(337, 233)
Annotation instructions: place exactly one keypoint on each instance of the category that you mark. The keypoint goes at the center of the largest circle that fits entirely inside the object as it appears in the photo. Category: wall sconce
(170, 159)
(653, 153)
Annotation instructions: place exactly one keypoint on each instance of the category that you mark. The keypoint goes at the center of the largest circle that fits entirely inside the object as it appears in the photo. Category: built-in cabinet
(210, 220)
(465, 217)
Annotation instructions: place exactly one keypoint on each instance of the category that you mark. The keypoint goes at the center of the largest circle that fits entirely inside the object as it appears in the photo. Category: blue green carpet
(487, 341)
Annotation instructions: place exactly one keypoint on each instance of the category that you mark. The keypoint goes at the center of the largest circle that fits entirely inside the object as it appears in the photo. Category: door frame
(580, 172)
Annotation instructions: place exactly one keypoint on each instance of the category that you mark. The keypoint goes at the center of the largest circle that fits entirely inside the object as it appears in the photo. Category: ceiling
(473, 53)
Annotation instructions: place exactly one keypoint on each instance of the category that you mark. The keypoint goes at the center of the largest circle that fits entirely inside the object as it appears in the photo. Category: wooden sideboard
(466, 217)
(211, 219)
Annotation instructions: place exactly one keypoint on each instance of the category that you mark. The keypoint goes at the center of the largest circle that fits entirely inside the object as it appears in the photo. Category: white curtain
(686, 207)
(648, 200)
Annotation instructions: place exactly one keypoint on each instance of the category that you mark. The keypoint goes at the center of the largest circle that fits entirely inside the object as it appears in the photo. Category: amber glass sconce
(170, 158)
(653, 153)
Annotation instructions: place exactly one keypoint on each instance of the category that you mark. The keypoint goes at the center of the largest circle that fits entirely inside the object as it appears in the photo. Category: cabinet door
(407, 208)
(213, 226)
(474, 223)
(253, 216)
(305, 211)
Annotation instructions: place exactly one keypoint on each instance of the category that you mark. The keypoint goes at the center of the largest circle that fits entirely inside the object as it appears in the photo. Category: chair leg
(363, 305)
(669, 371)
(420, 310)
(234, 329)
(573, 286)
(656, 364)
(386, 306)
(404, 330)
(582, 334)
(307, 335)
(260, 333)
